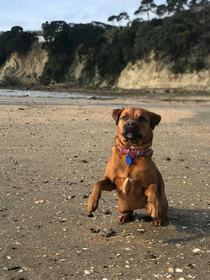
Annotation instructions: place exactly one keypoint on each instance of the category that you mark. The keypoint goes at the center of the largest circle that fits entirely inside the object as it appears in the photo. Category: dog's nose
(131, 124)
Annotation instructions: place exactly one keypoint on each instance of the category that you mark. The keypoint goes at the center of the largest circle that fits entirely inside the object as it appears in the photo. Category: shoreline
(111, 91)
(108, 96)
(123, 102)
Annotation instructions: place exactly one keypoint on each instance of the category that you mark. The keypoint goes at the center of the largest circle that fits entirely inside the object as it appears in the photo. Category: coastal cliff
(26, 70)
(158, 75)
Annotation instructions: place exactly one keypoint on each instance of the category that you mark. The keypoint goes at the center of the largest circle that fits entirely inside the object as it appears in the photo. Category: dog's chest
(128, 185)
(131, 190)
(128, 182)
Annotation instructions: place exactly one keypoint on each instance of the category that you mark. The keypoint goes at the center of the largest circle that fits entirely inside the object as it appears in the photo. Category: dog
(130, 170)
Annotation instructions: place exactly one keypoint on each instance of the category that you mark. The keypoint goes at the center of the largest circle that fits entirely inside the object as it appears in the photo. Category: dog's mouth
(131, 135)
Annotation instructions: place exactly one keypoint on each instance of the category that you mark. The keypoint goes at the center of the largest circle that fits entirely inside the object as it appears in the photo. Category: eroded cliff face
(158, 75)
(24, 70)
(20, 70)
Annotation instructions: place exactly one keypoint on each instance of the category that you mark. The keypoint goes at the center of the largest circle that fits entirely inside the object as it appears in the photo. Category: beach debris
(41, 201)
(179, 270)
(141, 230)
(106, 212)
(109, 233)
(128, 249)
(94, 230)
(196, 251)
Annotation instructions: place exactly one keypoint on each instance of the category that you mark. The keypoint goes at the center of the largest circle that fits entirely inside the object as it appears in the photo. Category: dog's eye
(124, 118)
(142, 119)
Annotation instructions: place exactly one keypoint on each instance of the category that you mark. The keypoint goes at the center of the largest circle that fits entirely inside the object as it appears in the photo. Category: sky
(30, 14)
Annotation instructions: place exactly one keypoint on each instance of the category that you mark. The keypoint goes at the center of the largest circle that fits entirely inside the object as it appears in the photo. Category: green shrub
(177, 68)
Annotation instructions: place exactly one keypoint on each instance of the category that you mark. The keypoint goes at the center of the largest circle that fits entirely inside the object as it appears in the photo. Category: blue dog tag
(128, 160)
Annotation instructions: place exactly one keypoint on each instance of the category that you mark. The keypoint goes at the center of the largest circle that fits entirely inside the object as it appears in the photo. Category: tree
(119, 18)
(112, 18)
(15, 40)
(176, 5)
(124, 16)
(161, 10)
(51, 29)
(16, 29)
(146, 7)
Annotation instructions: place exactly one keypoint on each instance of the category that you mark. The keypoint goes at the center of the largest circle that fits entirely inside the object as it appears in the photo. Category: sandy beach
(51, 154)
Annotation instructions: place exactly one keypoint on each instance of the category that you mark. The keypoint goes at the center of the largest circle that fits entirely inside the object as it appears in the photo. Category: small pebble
(179, 270)
(92, 270)
(158, 275)
(141, 230)
(110, 233)
(87, 272)
(84, 161)
(196, 250)
(5, 268)
(39, 201)
(95, 230)
(189, 265)
(106, 212)
(128, 249)
(171, 270)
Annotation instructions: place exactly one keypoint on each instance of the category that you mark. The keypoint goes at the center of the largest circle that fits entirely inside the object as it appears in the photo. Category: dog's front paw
(92, 203)
(159, 222)
(125, 218)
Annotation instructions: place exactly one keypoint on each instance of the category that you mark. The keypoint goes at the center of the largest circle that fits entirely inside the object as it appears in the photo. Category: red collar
(133, 152)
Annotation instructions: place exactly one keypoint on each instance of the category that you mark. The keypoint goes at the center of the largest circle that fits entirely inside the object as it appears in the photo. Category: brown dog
(130, 170)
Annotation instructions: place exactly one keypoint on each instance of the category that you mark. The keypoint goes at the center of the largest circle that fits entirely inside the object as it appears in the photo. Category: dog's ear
(154, 119)
(116, 114)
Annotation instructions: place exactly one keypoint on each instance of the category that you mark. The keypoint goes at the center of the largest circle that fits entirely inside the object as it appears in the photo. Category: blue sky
(30, 14)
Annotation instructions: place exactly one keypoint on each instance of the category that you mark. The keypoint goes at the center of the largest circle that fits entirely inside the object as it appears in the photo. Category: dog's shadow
(195, 223)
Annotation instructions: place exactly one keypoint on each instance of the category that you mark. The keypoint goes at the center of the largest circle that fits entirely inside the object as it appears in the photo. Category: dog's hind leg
(104, 185)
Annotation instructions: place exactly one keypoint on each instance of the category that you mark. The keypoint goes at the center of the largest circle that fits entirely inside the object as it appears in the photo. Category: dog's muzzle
(131, 131)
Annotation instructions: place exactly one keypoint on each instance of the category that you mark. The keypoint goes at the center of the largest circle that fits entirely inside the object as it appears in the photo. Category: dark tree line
(62, 41)
(15, 40)
(179, 34)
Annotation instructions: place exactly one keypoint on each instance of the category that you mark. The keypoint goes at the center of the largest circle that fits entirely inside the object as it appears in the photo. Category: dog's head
(135, 127)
